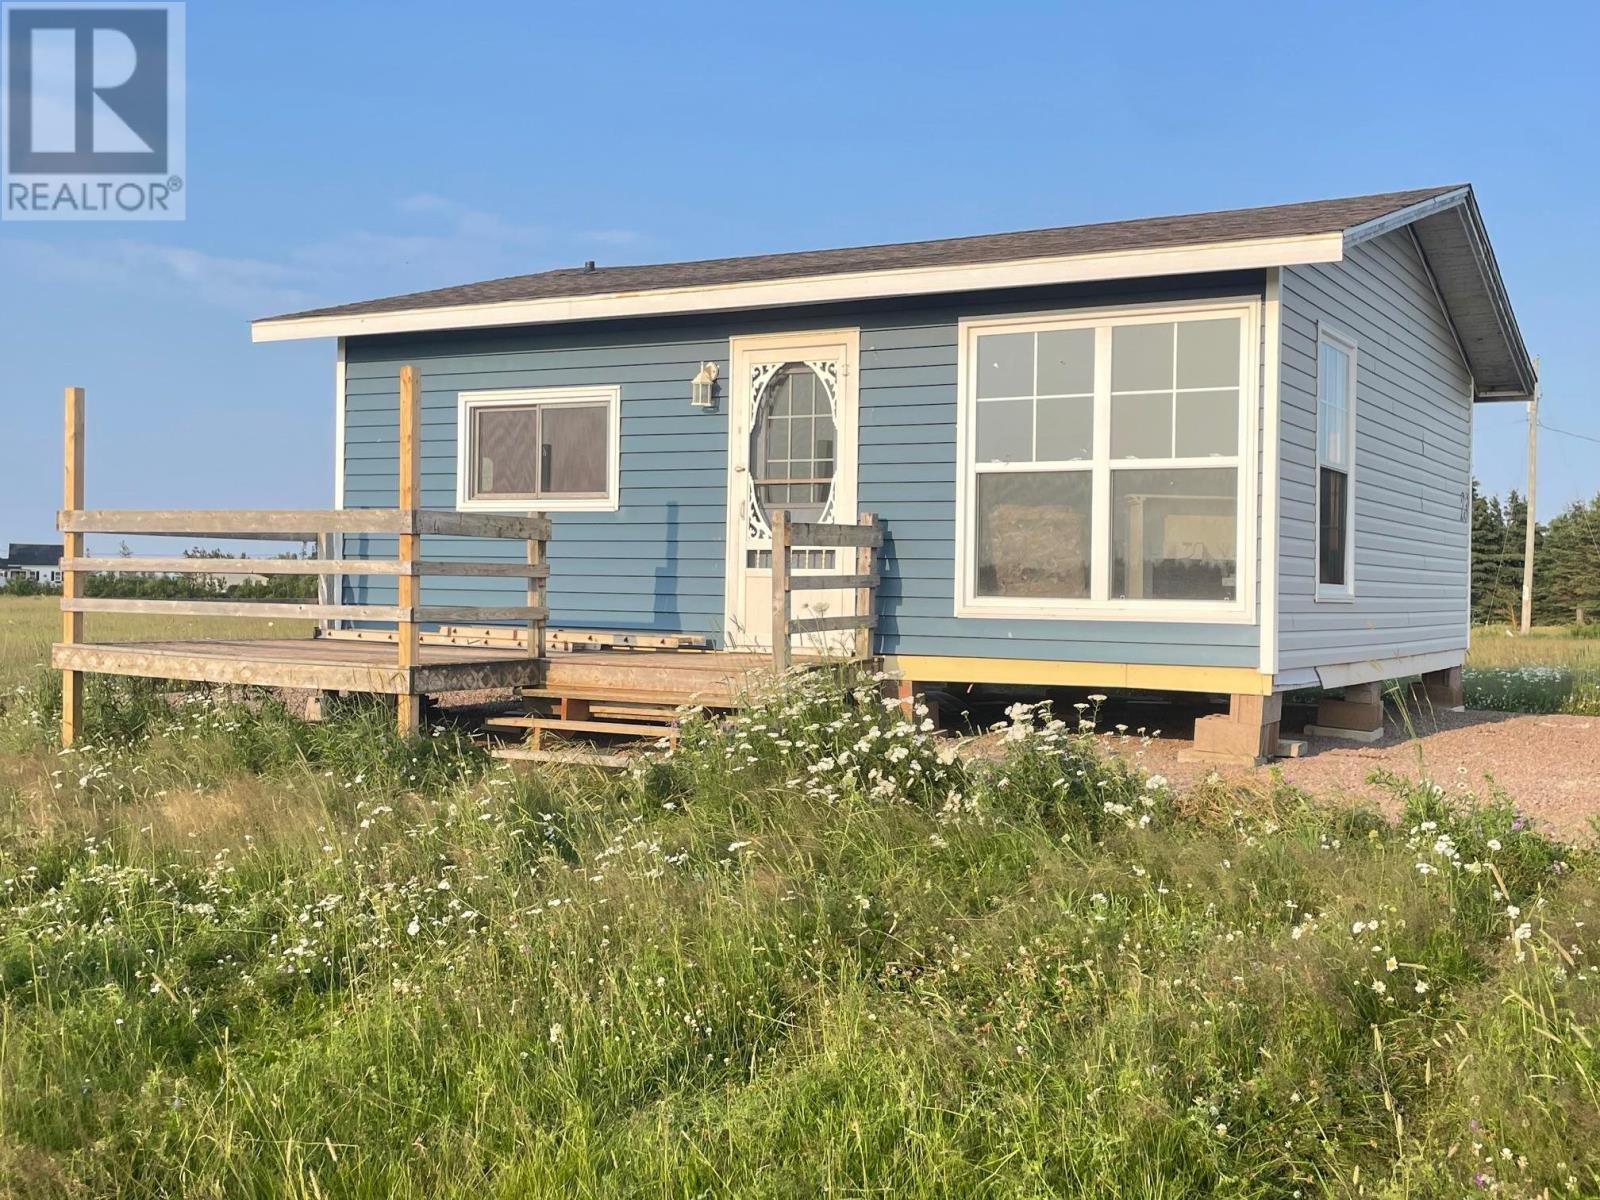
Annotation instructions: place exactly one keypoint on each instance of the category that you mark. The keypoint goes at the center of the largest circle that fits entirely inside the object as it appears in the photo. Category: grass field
(1552, 669)
(811, 953)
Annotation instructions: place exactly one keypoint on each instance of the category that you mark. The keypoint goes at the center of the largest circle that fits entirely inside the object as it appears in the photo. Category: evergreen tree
(1488, 550)
(1497, 554)
(1569, 563)
(1566, 561)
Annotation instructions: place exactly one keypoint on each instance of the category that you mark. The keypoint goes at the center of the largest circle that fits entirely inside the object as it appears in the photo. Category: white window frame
(469, 403)
(1099, 606)
(1335, 593)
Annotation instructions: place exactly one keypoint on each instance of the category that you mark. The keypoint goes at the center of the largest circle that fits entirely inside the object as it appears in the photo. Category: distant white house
(32, 560)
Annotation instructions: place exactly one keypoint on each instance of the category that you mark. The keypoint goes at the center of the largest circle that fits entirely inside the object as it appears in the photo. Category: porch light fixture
(704, 384)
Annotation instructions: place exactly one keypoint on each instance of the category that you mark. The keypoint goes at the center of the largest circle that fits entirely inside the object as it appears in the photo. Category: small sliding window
(550, 449)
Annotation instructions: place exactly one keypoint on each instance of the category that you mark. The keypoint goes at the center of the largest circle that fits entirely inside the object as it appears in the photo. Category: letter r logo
(87, 90)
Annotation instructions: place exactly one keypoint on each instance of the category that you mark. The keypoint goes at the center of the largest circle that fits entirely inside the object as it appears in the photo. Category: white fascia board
(1402, 217)
(861, 285)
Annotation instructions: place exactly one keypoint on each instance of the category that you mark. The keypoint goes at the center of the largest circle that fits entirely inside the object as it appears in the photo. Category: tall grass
(811, 952)
(1548, 670)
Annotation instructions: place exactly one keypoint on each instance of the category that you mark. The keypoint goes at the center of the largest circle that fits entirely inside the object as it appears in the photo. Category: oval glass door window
(792, 444)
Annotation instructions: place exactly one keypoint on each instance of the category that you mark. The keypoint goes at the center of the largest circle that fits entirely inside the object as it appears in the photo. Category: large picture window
(1336, 444)
(1100, 467)
(547, 449)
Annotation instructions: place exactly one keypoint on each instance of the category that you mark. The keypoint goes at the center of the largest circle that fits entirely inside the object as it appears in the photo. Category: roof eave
(1463, 203)
(1401, 217)
(1248, 254)
(1528, 375)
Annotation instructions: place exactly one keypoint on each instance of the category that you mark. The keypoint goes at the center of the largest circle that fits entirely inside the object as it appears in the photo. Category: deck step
(656, 697)
(679, 676)
(568, 755)
(558, 725)
(643, 710)
(640, 712)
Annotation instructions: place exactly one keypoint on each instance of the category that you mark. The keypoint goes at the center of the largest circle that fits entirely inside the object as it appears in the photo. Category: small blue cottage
(1226, 453)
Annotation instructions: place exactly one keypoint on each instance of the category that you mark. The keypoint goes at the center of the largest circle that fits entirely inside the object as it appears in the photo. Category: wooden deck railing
(408, 523)
(866, 537)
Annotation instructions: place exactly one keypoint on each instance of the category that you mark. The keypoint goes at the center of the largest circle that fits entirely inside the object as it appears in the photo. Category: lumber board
(446, 523)
(477, 675)
(136, 565)
(565, 725)
(72, 546)
(810, 533)
(487, 570)
(409, 587)
(321, 664)
(480, 612)
(285, 608)
(517, 638)
(665, 697)
(295, 524)
(782, 539)
(271, 524)
(641, 712)
(831, 583)
(866, 594)
(154, 662)
(569, 756)
(229, 608)
(123, 565)
(830, 624)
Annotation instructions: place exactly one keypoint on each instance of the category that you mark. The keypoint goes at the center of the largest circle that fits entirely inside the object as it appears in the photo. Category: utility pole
(1533, 520)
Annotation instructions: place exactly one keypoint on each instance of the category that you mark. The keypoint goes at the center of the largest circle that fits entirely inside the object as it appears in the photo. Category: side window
(1336, 442)
(546, 448)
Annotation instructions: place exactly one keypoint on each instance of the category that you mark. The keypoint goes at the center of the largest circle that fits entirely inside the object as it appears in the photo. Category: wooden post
(905, 691)
(780, 591)
(536, 595)
(409, 704)
(330, 588)
(865, 558)
(71, 581)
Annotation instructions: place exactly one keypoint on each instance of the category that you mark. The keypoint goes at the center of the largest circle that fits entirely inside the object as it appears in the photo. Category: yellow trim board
(934, 668)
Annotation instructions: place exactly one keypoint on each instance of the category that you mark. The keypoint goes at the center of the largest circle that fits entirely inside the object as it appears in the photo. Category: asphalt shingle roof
(1241, 224)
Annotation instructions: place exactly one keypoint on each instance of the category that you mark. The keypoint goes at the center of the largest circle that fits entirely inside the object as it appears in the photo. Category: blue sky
(341, 150)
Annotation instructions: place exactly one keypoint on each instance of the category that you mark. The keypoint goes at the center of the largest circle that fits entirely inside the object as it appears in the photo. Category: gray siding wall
(1412, 464)
(658, 562)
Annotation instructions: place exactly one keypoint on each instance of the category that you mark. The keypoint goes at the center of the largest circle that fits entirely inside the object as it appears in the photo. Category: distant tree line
(1566, 561)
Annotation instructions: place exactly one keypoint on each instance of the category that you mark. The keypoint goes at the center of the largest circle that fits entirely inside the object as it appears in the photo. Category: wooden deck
(623, 688)
(347, 665)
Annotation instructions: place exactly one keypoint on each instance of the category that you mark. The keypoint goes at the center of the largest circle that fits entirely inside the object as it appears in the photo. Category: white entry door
(791, 446)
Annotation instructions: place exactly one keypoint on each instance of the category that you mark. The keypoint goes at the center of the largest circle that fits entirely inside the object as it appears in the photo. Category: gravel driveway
(1549, 765)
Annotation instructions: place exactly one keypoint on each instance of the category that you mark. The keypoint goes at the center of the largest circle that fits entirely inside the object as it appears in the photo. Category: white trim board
(1402, 217)
(1374, 669)
(1271, 482)
(912, 281)
(338, 425)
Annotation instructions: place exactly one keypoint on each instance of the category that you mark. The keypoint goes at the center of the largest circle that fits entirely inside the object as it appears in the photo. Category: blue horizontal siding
(658, 562)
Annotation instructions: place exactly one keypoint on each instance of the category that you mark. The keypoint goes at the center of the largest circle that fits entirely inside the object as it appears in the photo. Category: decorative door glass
(793, 452)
